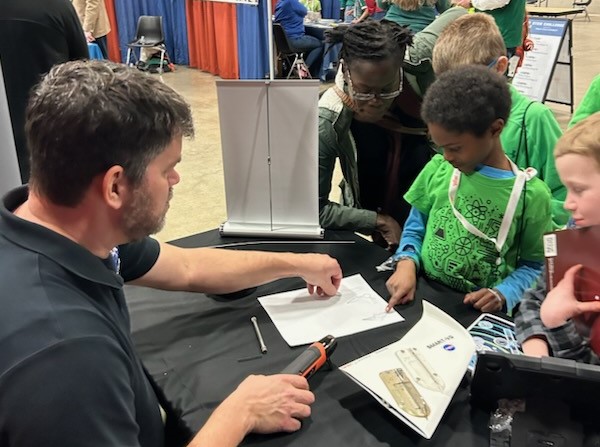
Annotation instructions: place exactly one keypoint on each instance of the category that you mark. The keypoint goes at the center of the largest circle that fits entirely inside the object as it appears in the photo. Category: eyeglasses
(359, 96)
(493, 63)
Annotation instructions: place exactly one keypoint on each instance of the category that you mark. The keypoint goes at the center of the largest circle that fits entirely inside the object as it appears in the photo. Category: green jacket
(416, 20)
(534, 147)
(590, 103)
(336, 141)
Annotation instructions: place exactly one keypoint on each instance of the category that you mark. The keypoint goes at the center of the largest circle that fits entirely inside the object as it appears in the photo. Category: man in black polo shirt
(104, 142)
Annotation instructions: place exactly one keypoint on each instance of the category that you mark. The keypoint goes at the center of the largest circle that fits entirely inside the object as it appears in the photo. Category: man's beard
(138, 219)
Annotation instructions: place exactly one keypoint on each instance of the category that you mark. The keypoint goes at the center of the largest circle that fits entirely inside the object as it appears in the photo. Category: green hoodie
(534, 147)
(590, 103)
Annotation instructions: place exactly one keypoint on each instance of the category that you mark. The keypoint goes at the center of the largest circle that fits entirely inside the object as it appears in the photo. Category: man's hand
(561, 304)
(402, 284)
(322, 274)
(485, 300)
(273, 403)
(389, 228)
(260, 404)
(89, 36)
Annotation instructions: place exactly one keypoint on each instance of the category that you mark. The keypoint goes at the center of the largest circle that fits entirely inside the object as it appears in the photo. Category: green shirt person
(312, 5)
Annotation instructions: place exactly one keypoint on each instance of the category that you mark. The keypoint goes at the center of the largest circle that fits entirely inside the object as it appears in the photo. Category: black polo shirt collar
(39, 239)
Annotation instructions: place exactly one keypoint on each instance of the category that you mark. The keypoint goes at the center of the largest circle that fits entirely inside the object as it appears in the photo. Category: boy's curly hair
(467, 99)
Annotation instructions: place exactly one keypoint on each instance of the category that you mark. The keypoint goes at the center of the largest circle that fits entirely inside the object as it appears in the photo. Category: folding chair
(288, 54)
(149, 35)
(583, 6)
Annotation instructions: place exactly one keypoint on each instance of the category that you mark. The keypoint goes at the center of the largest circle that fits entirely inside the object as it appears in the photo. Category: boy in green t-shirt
(477, 221)
(529, 135)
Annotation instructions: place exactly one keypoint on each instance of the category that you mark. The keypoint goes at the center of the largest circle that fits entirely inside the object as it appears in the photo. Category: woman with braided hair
(370, 121)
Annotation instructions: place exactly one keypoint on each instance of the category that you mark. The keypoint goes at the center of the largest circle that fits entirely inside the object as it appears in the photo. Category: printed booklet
(416, 377)
(565, 248)
(495, 334)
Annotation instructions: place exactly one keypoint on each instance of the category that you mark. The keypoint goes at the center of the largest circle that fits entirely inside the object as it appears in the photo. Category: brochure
(493, 333)
(416, 377)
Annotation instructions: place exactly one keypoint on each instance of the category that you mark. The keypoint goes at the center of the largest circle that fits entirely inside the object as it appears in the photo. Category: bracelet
(497, 295)
(403, 257)
(414, 258)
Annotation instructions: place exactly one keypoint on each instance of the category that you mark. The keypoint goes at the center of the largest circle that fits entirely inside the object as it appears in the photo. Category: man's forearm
(212, 270)
(224, 428)
(223, 271)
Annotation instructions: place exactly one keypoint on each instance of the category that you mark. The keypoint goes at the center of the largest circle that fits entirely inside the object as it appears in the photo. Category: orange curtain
(212, 37)
(114, 52)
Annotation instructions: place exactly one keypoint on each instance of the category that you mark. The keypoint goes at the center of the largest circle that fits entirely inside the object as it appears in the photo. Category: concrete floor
(199, 200)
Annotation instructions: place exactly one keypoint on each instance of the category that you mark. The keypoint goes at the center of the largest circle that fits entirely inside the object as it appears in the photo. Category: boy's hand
(535, 347)
(561, 305)
(485, 300)
(402, 284)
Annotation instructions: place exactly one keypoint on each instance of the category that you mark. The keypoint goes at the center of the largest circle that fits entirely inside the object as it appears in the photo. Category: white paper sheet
(302, 318)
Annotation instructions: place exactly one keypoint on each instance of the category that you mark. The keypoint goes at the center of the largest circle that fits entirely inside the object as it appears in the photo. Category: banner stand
(10, 176)
(269, 140)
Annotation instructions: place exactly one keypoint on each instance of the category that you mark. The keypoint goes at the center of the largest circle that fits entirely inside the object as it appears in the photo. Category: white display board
(10, 176)
(269, 140)
(546, 74)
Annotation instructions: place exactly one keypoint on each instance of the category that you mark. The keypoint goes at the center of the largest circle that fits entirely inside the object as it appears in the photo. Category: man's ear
(115, 187)
(502, 65)
(496, 127)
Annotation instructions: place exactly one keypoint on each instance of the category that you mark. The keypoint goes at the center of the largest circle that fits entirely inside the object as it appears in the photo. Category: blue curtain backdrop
(174, 24)
(253, 54)
(330, 9)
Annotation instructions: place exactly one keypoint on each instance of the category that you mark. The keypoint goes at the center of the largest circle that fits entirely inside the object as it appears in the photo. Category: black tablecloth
(191, 345)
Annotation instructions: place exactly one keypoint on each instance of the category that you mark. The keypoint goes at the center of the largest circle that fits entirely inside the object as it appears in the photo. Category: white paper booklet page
(302, 318)
(416, 377)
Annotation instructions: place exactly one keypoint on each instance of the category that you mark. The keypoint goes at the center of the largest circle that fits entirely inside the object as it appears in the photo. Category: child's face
(581, 176)
(464, 151)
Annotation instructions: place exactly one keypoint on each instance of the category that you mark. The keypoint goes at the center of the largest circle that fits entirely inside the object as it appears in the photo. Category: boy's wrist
(413, 260)
(408, 252)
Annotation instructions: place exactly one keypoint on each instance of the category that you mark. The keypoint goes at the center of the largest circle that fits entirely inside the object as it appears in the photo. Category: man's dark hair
(467, 99)
(372, 40)
(86, 116)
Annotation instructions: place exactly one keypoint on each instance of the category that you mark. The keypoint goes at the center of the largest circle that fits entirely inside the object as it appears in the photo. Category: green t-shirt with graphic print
(459, 259)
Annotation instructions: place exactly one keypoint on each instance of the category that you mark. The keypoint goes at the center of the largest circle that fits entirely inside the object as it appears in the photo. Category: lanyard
(511, 207)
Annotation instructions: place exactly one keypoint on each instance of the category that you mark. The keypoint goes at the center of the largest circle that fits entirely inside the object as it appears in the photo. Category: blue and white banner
(539, 71)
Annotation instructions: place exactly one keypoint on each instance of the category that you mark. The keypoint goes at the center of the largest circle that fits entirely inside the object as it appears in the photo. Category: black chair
(289, 55)
(583, 6)
(150, 35)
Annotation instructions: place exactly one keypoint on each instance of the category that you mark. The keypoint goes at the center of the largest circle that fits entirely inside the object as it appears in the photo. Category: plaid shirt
(565, 341)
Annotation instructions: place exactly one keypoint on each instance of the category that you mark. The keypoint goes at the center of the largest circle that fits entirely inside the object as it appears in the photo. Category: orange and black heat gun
(315, 356)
